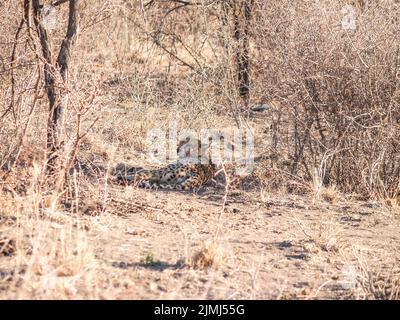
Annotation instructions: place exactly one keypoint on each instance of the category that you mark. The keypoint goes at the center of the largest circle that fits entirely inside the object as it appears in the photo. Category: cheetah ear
(182, 143)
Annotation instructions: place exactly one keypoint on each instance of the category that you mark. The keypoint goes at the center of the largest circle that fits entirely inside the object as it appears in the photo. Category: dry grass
(330, 194)
(329, 135)
(210, 256)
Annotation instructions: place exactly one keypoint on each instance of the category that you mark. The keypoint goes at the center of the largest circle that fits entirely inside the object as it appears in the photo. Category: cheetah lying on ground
(179, 175)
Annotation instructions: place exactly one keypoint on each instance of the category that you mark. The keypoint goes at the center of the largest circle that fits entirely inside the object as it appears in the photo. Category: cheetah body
(180, 176)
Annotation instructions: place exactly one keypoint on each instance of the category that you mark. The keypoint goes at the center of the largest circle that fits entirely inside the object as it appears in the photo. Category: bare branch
(58, 2)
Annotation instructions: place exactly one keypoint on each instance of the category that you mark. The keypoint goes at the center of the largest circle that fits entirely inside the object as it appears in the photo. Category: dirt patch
(143, 246)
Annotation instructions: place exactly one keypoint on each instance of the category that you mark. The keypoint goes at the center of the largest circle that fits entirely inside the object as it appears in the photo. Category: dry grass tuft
(331, 194)
(66, 255)
(382, 286)
(210, 256)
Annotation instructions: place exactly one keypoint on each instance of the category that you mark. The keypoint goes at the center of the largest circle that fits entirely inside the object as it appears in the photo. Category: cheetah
(179, 175)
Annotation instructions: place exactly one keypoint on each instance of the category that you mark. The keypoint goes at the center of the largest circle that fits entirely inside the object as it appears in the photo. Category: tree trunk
(242, 20)
(53, 71)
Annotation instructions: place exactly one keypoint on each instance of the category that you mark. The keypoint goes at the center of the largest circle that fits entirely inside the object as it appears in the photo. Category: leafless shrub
(339, 91)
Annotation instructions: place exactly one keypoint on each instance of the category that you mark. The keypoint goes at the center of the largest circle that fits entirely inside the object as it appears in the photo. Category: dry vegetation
(319, 216)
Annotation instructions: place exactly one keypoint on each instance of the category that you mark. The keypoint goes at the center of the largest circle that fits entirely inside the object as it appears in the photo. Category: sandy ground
(282, 247)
